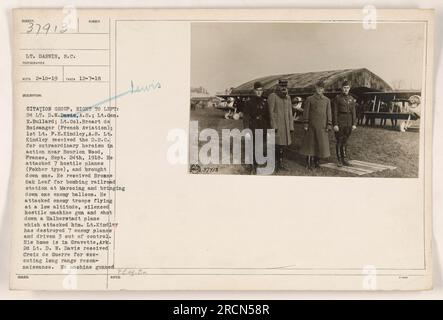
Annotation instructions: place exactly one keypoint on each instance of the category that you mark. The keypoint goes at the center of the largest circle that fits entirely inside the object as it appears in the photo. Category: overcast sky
(225, 55)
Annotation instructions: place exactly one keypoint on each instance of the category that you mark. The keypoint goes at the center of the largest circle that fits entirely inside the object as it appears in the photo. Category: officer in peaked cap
(283, 83)
(344, 121)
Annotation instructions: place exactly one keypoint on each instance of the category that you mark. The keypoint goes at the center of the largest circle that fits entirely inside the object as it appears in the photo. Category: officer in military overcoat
(317, 123)
(281, 120)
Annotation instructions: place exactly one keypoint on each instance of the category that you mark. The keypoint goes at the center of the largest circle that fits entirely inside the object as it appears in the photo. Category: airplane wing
(400, 95)
(387, 96)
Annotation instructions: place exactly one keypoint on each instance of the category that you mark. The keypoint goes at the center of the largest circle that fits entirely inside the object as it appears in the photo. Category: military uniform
(317, 120)
(256, 116)
(343, 116)
(281, 119)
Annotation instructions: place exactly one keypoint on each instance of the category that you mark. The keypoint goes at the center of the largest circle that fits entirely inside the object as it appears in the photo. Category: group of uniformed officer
(320, 115)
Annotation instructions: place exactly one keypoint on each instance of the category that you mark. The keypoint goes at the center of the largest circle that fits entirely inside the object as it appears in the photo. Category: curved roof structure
(300, 83)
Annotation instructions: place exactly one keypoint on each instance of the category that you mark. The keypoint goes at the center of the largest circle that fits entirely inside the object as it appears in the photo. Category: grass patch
(371, 144)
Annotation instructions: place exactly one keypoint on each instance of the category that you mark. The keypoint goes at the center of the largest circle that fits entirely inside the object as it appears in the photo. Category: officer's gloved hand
(336, 128)
(306, 128)
(354, 127)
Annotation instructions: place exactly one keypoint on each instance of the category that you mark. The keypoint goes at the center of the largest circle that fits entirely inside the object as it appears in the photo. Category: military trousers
(342, 136)
(259, 144)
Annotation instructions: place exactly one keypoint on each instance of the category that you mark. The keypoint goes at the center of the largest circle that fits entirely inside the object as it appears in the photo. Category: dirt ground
(372, 144)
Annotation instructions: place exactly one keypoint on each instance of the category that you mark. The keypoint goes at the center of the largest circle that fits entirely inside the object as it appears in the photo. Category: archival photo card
(209, 149)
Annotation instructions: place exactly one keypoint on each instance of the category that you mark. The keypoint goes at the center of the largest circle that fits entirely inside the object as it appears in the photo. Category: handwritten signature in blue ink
(133, 89)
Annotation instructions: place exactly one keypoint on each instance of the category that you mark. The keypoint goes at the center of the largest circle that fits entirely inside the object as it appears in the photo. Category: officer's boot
(254, 166)
(281, 155)
(339, 160)
(343, 156)
(316, 162)
(277, 159)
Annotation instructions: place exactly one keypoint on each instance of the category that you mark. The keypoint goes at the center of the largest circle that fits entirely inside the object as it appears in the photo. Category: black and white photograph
(306, 99)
